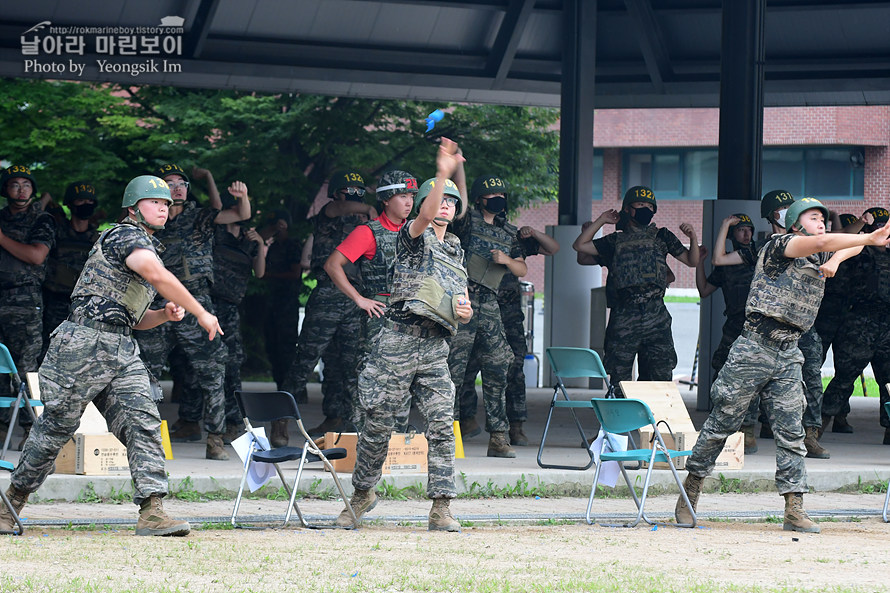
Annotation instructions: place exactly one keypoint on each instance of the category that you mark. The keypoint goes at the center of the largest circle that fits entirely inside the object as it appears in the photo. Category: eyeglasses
(20, 186)
(353, 191)
(178, 184)
(450, 200)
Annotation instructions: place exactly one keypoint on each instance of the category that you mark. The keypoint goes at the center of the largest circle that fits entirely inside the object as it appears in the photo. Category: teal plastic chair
(619, 416)
(5, 465)
(886, 498)
(571, 363)
(7, 367)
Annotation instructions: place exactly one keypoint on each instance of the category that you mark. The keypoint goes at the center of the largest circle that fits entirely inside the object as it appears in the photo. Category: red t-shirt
(360, 242)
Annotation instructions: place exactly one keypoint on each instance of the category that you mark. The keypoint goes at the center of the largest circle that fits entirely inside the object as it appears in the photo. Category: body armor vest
(637, 261)
(68, 258)
(187, 255)
(879, 278)
(377, 272)
(232, 266)
(327, 234)
(14, 273)
(792, 298)
(736, 285)
(484, 237)
(118, 284)
(432, 290)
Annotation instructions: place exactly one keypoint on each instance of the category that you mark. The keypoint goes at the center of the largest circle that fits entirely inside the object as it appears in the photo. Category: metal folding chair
(21, 400)
(5, 465)
(618, 416)
(266, 406)
(571, 363)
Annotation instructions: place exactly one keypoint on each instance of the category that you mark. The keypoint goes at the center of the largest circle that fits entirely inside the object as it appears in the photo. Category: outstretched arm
(690, 256)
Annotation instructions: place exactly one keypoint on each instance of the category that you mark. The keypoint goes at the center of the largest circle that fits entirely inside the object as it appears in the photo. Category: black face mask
(84, 211)
(643, 216)
(354, 198)
(495, 204)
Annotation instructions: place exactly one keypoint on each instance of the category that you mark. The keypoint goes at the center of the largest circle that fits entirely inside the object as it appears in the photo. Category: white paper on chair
(259, 473)
(615, 442)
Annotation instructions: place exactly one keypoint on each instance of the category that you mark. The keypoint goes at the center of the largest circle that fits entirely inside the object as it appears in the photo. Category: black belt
(98, 325)
(418, 331)
(774, 344)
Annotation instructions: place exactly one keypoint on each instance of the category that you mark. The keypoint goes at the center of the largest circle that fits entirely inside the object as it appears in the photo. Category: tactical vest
(15, 273)
(232, 266)
(637, 261)
(119, 284)
(68, 257)
(484, 237)
(792, 298)
(326, 235)
(187, 255)
(879, 277)
(433, 290)
(736, 285)
(377, 272)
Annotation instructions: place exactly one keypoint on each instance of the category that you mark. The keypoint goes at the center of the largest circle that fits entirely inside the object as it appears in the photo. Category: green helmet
(395, 182)
(881, 215)
(79, 190)
(450, 190)
(775, 200)
(17, 171)
(345, 178)
(143, 187)
(488, 184)
(800, 206)
(639, 193)
(171, 169)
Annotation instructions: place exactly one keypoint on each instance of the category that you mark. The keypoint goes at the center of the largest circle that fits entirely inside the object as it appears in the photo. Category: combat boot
(216, 450)
(186, 432)
(279, 436)
(441, 518)
(498, 446)
(517, 436)
(766, 431)
(154, 521)
(814, 449)
(750, 440)
(692, 485)
(327, 425)
(17, 499)
(826, 420)
(469, 428)
(362, 502)
(234, 429)
(796, 519)
(841, 425)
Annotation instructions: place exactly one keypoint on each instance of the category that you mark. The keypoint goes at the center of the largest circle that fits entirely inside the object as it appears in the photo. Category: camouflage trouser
(864, 338)
(484, 334)
(811, 347)
(55, 310)
(331, 324)
(400, 367)
(732, 329)
(281, 332)
(514, 329)
(758, 368)
(82, 365)
(830, 319)
(370, 327)
(640, 330)
(191, 404)
(21, 331)
(205, 358)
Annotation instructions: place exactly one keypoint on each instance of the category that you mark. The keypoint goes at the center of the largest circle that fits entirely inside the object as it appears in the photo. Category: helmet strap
(141, 220)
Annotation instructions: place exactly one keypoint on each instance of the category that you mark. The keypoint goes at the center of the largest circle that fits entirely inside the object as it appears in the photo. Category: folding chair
(566, 363)
(886, 498)
(266, 406)
(624, 415)
(7, 366)
(5, 465)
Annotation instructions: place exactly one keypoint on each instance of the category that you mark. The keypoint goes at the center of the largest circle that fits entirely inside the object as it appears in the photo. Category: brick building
(840, 155)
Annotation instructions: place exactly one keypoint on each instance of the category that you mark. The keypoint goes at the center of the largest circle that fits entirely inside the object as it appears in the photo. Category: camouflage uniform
(513, 319)
(188, 242)
(282, 321)
(835, 306)
(93, 357)
(639, 323)
(864, 336)
(21, 303)
(409, 357)
(330, 317)
(735, 282)
(232, 268)
(63, 266)
(485, 330)
(765, 361)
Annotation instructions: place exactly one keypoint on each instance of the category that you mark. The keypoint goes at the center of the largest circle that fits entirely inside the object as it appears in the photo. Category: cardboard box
(407, 452)
(732, 456)
(93, 455)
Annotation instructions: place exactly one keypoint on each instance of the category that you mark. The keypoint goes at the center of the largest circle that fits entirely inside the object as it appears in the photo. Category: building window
(597, 175)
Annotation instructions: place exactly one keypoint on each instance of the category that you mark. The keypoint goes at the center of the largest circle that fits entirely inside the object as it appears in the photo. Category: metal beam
(655, 52)
(504, 48)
